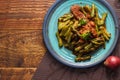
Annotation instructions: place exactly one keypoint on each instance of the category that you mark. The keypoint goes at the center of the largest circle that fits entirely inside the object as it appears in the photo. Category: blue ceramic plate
(64, 55)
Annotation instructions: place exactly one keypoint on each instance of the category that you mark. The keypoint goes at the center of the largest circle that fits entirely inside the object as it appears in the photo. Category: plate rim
(57, 57)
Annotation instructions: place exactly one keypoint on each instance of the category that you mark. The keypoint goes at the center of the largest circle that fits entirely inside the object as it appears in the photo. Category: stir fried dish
(83, 31)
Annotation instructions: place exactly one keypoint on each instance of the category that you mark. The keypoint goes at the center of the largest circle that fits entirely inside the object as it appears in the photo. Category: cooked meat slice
(75, 9)
(90, 26)
(91, 23)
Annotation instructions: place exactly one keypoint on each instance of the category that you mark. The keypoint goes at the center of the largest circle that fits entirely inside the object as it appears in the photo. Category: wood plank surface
(21, 48)
(16, 73)
(23, 14)
(21, 42)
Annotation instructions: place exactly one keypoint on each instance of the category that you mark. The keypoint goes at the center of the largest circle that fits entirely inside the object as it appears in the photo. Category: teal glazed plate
(65, 56)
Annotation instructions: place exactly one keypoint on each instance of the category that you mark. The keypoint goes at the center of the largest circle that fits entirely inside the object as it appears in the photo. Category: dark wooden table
(21, 42)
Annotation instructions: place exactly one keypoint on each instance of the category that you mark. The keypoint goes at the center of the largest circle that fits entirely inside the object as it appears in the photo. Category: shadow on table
(50, 69)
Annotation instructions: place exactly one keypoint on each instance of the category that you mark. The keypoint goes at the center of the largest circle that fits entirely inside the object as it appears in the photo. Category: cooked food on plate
(83, 31)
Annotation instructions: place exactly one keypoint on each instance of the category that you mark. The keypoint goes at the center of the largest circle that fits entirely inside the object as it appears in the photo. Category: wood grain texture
(21, 42)
(21, 48)
(23, 14)
(16, 73)
(116, 6)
